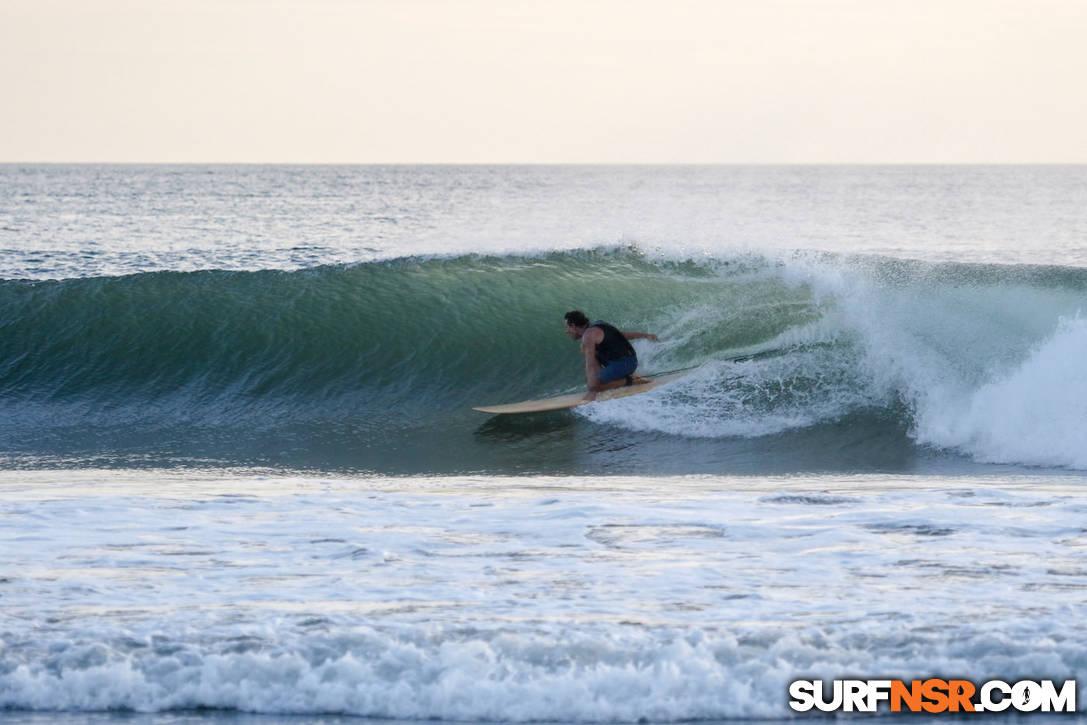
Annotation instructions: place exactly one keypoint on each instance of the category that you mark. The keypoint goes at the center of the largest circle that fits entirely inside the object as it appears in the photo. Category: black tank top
(614, 346)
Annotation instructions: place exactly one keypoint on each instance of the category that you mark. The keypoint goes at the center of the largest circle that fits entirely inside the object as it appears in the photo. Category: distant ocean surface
(240, 476)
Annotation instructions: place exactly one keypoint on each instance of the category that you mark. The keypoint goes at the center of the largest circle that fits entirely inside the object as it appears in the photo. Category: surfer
(610, 360)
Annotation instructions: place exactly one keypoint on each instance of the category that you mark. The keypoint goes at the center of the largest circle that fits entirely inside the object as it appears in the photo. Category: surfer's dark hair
(577, 318)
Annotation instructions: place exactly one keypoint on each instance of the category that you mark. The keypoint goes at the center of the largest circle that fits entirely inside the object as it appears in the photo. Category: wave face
(805, 362)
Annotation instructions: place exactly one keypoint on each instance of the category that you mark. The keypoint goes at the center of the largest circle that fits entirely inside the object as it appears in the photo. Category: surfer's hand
(654, 338)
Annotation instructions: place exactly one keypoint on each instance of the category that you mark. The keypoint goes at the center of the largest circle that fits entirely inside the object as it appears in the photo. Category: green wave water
(375, 367)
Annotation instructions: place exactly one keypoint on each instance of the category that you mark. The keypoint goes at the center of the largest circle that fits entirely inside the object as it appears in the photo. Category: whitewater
(241, 480)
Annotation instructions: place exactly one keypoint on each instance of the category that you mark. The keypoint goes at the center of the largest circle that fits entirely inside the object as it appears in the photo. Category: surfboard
(573, 400)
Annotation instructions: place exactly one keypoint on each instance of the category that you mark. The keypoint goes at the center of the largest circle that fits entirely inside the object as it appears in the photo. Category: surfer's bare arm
(632, 335)
(589, 341)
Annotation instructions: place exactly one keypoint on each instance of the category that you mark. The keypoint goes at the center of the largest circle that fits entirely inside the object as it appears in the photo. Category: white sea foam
(1035, 414)
(980, 366)
(593, 600)
(562, 675)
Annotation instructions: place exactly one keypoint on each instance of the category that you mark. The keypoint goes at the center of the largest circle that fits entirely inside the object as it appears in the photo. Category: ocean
(241, 479)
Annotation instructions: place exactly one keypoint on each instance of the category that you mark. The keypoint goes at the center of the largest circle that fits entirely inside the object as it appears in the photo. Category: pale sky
(546, 81)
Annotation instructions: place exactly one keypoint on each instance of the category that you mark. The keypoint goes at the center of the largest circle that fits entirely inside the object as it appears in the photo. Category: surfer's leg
(617, 374)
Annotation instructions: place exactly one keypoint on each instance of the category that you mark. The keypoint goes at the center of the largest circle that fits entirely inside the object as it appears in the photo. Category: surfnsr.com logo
(933, 696)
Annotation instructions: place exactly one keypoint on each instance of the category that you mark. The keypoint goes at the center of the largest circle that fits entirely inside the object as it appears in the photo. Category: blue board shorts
(617, 369)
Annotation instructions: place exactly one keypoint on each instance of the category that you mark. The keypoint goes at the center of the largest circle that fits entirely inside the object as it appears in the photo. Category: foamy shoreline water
(520, 599)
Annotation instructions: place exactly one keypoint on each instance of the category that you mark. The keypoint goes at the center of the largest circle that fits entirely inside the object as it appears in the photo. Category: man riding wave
(610, 359)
